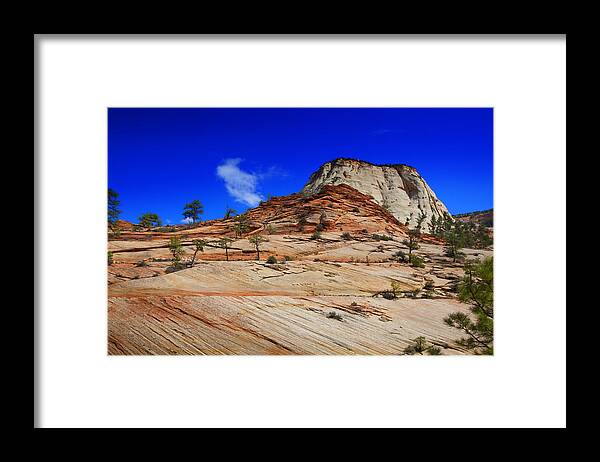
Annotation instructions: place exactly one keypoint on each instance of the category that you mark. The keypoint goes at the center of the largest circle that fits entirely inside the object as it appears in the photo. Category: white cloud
(187, 220)
(240, 185)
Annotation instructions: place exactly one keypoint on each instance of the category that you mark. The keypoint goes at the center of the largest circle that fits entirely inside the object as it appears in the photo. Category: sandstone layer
(334, 208)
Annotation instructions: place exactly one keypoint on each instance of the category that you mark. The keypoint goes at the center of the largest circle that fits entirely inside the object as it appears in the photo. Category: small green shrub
(400, 256)
(419, 346)
(176, 248)
(316, 235)
(176, 266)
(454, 253)
(389, 295)
(417, 262)
(110, 257)
(346, 236)
(287, 258)
(141, 263)
(272, 259)
(396, 288)
(334, 315)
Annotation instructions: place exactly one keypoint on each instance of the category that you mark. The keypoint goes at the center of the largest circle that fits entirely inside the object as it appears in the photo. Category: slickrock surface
(180, 324)
(398, 188)
(291, 278)
(250, 307)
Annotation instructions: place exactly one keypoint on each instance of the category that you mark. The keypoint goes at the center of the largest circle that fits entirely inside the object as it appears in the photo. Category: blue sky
(161, 158)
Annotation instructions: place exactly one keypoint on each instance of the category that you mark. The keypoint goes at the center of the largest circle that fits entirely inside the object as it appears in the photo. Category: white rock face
(398, 188)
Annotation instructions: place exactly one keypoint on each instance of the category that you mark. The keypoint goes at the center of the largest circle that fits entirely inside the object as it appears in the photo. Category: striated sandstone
(334, 208)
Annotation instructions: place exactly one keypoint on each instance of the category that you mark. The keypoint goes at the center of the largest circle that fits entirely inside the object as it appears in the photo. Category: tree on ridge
(148, 220)
(193, 210)
(113, 208)
(229, 212)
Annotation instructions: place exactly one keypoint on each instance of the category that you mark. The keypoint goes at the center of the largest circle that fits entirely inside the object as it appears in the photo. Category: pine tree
(454, 242)
(467, 234)
(482, 238)
(412, 242)
(229, 212)
(225, 243)
(199, 247)
(176, 249)
(193, 210)
(476, 289)
(113, 208)
(447, 224)
(257, 241)
(148, 220)
(420, 346)
(241, 225)
(433, 225)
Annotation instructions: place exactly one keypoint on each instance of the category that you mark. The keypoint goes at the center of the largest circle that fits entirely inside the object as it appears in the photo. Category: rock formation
(333, 208)
(483, 218)
(397, 188)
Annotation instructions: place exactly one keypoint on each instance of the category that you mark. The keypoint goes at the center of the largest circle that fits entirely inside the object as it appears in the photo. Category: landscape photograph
(300, 231)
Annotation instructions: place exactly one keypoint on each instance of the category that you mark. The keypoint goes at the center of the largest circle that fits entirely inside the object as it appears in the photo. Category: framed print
(289, 231)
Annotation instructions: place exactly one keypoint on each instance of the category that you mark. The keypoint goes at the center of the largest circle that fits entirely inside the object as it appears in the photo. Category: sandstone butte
(322, 297)
(398, 188)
